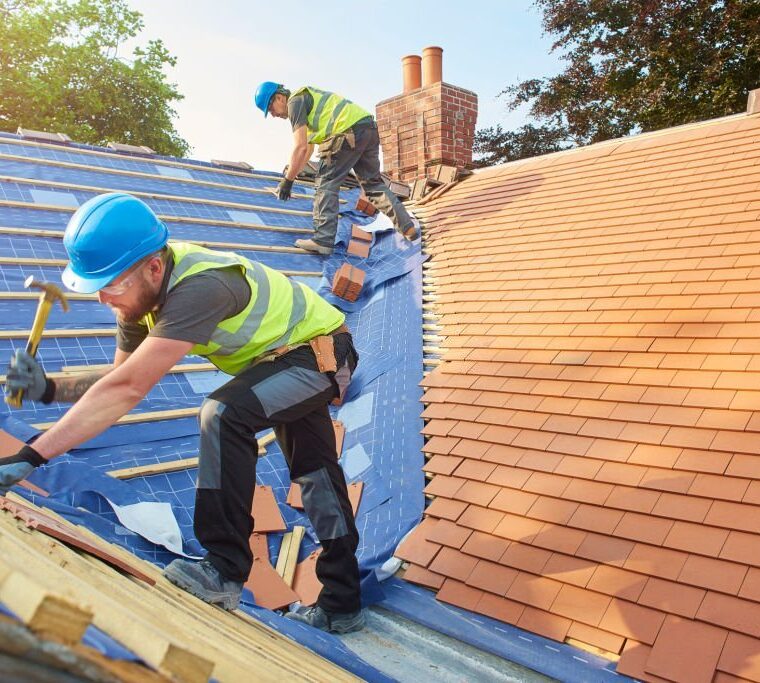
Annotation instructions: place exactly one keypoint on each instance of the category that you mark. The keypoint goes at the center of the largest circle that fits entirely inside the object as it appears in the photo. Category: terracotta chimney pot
(411, 66)
(432, 69)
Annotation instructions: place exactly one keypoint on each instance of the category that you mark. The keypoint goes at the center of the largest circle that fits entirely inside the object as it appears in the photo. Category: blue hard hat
(264, 94)
(105, 236)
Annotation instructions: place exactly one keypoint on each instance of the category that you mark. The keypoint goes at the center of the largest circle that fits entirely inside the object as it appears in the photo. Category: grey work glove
(284, 189)
(27, 374)
(18, 467)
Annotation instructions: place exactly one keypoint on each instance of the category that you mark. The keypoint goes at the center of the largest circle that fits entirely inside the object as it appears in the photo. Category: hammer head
(50, 292)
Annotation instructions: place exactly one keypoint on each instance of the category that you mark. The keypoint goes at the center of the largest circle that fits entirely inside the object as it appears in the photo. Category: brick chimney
(430, 123)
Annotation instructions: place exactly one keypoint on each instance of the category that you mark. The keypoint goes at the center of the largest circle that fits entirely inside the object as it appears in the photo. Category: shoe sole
(350, 628)
(189, 586)
(314, 251)
(340, 629)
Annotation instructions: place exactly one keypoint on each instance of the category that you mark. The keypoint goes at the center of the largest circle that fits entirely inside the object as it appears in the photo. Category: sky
(224, 49)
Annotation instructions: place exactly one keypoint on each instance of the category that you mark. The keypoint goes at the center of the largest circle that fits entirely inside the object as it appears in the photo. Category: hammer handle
(40, 318)
(35, 336)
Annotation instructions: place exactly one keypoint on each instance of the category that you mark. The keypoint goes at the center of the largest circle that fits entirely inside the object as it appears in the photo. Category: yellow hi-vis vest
(280, 311)
(332, 114)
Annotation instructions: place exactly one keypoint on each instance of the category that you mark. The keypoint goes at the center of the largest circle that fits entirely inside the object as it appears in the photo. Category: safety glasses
(119, 288)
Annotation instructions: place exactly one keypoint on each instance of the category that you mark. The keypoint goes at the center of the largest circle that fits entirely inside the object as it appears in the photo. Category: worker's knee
(209, 468)
(210, 416)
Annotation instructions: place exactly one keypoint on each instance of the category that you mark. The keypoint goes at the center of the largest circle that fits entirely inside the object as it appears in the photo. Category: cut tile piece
(355, 490)
(268, 588)
(305, 581)
(340, 435)
(686, 650)
(294, 496)
(266, 512)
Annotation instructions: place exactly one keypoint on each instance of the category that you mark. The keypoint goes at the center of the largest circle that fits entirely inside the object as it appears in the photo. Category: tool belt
(330, 147)
(323, 347)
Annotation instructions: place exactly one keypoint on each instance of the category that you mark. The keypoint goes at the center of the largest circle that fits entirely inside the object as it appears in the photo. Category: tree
(60, 71)
(633, 66)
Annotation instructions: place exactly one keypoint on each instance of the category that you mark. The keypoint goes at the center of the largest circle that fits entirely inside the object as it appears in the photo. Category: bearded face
(131, 296)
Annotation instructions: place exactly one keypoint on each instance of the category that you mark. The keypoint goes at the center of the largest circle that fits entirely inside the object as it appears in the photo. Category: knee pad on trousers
(210, 460)
(322, 505)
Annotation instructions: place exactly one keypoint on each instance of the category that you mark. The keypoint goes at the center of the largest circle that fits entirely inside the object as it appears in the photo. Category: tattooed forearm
(71, 389)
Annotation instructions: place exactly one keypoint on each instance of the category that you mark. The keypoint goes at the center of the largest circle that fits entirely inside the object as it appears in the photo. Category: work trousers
(364, 159)
(292, 396)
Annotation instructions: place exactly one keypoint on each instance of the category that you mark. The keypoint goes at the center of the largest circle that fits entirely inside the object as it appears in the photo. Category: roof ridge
(624, 140)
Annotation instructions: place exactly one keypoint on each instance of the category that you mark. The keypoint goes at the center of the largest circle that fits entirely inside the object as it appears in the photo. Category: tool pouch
(330, 147)
(324, 351)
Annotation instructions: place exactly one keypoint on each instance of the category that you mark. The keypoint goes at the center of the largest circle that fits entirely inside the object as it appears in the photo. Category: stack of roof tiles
(594, 429)
(348, 282)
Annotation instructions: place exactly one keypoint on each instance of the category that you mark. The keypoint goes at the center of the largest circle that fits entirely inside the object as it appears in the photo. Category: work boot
(312, 246)
(203, 580)
(328, 621)
(412, 231)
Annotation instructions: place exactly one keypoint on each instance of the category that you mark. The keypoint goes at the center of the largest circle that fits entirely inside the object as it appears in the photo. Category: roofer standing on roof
(255, 324)
(347, 138)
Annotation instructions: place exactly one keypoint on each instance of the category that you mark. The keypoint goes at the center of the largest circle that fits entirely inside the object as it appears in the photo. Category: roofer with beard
(290, 355)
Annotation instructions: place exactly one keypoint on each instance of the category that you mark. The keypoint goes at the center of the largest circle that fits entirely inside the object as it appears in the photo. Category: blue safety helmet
(105, 236)
(264, 94)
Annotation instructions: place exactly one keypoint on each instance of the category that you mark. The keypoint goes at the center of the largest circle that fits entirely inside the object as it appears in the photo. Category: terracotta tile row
(594, 427)
(692, 498)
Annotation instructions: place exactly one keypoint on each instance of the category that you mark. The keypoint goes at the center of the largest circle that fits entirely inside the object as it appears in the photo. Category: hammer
(50, 293)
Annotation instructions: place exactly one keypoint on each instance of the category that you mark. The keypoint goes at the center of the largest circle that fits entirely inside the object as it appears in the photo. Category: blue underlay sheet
(381, 414)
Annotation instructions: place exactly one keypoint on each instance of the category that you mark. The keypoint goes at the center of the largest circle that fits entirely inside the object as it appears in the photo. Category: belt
(287, 348)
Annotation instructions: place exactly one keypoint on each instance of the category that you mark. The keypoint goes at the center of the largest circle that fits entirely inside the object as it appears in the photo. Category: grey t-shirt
(192, 310)
(299, 107)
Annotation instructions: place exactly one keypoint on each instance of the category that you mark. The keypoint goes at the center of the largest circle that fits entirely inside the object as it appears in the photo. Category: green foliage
(60, 71)
(496, 145)
(636, 65)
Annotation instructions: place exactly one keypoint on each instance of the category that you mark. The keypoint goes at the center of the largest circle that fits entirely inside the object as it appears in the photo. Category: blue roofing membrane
(40, 186)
